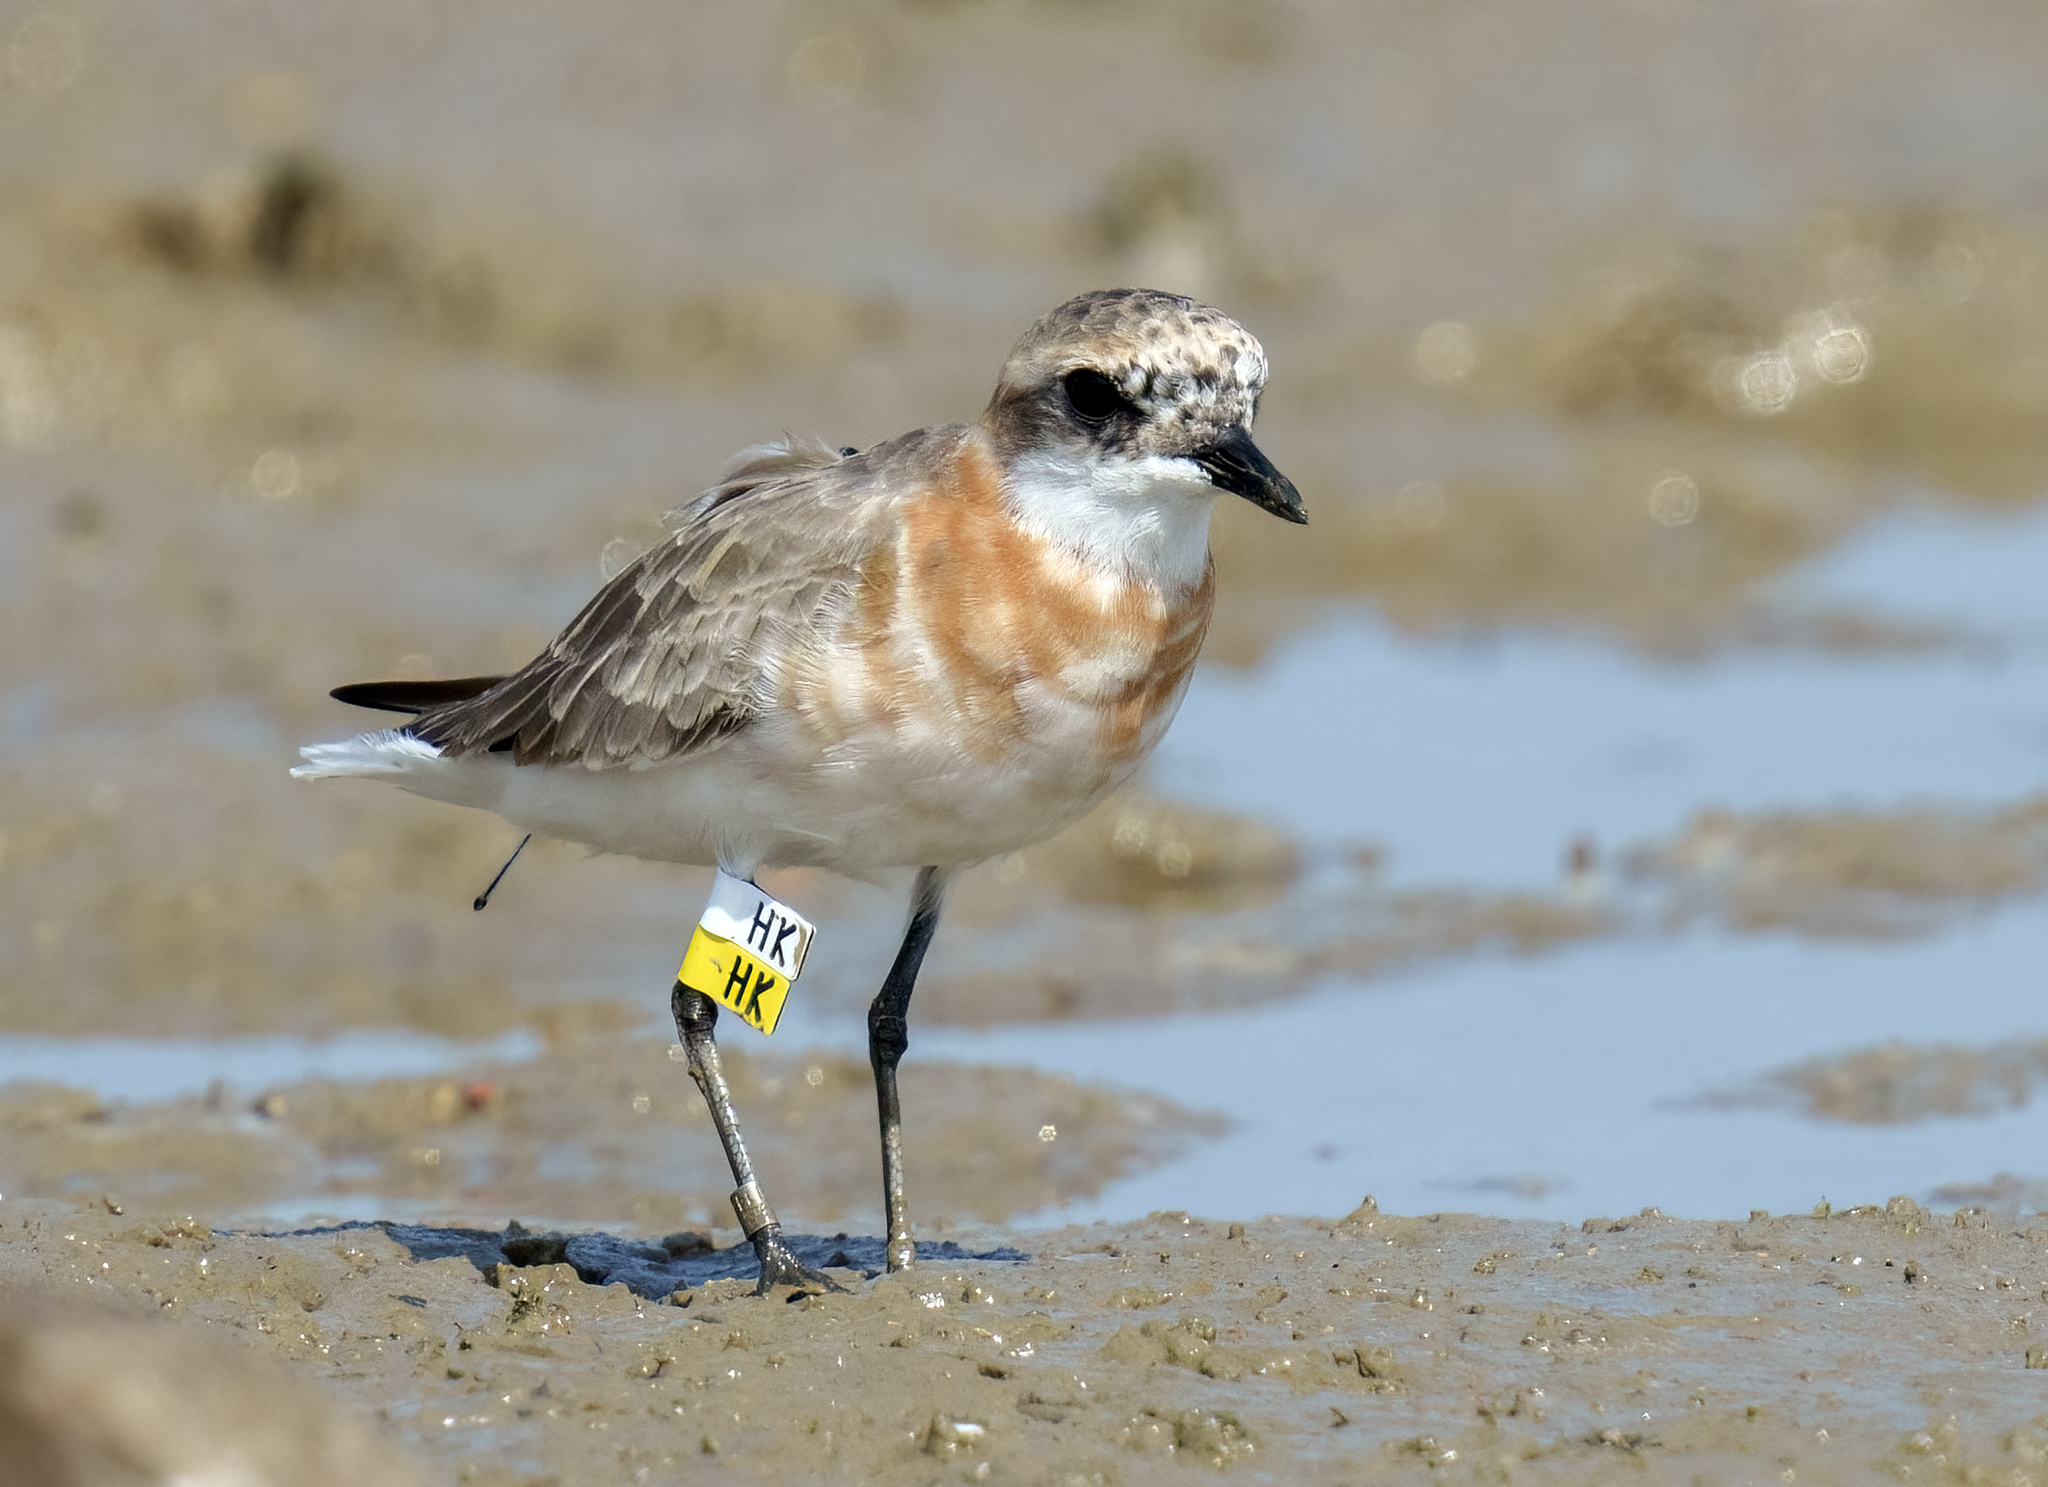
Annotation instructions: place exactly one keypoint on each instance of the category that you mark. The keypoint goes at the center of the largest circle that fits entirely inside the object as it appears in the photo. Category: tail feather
(387, 751)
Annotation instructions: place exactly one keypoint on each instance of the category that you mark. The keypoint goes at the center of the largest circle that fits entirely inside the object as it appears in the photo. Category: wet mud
(1873, 1342)
(602, 1130)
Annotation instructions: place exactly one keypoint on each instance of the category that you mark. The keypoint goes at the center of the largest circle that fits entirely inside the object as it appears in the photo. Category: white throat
(1148, 517)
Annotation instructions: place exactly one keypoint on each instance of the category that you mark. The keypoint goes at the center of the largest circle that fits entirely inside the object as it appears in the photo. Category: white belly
(770, 797)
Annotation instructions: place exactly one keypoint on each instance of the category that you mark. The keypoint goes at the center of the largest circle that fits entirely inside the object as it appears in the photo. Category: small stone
(946, 1436)
(522, 1246)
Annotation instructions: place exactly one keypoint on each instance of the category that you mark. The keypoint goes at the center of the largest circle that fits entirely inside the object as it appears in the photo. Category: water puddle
(1573, 1083)
(137, 1069)
(1479, 762)
(1978, 575)
(1568, 1085)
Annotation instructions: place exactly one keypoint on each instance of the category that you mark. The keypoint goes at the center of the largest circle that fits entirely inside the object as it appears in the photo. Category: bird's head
(1133, 397)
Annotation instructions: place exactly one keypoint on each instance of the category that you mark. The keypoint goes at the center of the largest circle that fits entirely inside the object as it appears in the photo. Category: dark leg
(888, 1037)
(696, 1015)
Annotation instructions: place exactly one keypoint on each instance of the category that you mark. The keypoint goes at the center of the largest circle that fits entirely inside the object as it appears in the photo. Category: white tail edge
(387, 751)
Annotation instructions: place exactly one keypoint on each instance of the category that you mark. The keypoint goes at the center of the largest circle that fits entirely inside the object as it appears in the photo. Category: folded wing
(678, 650)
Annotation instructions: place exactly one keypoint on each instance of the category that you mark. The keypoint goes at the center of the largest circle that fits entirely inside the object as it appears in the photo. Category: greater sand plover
(921, 655)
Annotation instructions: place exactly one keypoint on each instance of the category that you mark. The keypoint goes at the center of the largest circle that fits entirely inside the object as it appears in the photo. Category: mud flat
(1873, 1342)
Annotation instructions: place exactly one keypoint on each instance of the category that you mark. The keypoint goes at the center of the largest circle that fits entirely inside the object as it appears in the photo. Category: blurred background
(1631, 789)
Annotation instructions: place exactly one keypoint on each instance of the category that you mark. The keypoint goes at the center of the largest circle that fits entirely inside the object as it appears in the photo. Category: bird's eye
(1092, 395)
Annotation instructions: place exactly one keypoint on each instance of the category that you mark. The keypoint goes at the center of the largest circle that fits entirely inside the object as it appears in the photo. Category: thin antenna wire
(485, 897)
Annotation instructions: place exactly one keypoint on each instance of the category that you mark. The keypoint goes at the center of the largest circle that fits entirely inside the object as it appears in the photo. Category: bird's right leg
(888, 1039)
(696, 1016)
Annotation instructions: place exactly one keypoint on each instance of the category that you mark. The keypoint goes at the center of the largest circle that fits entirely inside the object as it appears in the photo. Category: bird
(920, 655)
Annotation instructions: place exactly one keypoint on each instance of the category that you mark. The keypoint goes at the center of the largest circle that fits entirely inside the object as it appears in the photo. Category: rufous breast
(970, 624)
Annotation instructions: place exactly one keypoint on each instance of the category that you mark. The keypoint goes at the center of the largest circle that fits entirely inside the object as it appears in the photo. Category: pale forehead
(1162, 343)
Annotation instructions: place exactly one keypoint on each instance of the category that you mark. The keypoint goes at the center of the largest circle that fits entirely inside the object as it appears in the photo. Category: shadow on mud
(654, 1269)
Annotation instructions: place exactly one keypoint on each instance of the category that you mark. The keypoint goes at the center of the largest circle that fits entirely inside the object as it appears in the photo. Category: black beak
(1234, 464)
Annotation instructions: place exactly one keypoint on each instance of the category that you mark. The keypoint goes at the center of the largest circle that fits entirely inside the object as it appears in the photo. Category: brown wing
(669, 656)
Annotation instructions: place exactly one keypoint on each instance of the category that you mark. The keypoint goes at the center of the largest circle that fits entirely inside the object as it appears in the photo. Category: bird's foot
(781, 1267)
(779, 1264)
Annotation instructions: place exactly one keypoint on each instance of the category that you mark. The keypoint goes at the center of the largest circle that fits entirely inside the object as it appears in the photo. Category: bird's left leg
(888, 1037)
(696, 1015)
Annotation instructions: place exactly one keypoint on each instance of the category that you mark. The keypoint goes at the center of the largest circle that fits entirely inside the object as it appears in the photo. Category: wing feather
(679, 649)
(413, 696)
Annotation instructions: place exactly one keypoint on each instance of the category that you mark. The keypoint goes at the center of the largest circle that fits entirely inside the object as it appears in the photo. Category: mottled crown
(1190, 369)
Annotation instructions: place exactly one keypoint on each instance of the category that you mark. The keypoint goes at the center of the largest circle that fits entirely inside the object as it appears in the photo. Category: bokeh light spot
(275, 476)
(1674, 499)
(1842, 355)
(1767, 382)
(1446, 353)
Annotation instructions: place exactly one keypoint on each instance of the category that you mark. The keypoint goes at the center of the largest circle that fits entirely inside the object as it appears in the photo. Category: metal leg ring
(750, 1205)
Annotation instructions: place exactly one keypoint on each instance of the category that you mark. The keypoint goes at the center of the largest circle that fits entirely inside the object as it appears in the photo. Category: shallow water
(1480, 762)
(1573, 1084)
(164, 1068)
(1570, 1085)
(1978, 577)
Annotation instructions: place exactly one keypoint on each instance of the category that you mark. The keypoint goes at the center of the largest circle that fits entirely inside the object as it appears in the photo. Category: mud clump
(1898, 1083)
(288, 218)
(299, 221)
(1112, 966)
(1139, 851)
(1851, 872)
